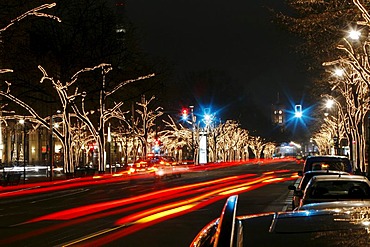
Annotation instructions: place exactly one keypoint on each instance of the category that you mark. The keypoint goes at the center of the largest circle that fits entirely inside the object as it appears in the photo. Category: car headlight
(160, 172)
(131, 170)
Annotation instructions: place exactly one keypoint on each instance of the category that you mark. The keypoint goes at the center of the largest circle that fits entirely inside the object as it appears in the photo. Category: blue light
(298, 111)
(298, 117)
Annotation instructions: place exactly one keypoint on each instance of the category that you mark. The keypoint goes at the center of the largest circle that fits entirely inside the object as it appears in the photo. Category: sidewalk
(289, 199)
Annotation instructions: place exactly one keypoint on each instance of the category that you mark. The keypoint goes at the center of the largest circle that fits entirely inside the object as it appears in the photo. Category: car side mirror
(292, 187)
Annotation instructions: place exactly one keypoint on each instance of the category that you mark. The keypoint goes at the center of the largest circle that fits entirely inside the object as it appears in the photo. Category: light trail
(208, 193)
(147, 218)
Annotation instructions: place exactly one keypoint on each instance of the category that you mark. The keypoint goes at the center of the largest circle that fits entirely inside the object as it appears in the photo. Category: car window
(307, 177)
(305, 180)
(330, 165)
(339, 190)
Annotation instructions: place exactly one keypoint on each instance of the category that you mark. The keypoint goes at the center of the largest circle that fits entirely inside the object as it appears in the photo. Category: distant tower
(120, 15)
(278, 114)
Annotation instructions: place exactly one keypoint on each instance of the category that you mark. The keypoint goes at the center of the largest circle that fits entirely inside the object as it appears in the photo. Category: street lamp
(339, 72)
(23, 123)
(330, 103)
(298, 111)
(354, 34)
(108, 159)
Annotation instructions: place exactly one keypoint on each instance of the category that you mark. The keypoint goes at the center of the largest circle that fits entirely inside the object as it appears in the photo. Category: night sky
(228, 56)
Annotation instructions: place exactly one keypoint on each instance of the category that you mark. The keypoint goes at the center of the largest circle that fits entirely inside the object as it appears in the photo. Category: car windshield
(339, 190)
(330, 165)
(307, 177)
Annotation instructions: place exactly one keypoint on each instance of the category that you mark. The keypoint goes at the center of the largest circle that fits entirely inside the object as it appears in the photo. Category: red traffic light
(157, 142)
(185, 113)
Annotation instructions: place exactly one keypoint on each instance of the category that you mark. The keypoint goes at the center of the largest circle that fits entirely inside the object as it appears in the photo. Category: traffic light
(298, 111)
(157, 142)
(185, 113)
(156, 145)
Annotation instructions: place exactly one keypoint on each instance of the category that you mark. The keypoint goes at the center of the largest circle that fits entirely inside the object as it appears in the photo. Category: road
(114, 211)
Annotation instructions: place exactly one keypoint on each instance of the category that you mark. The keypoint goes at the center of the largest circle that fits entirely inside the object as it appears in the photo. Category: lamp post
(330, 103)
(354, 34)
(192, 130)
(23, 123)
(1, 142)
(109, 139)
(203, 142)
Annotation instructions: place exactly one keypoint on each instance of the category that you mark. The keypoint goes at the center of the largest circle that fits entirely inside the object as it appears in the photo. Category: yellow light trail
(196, 199)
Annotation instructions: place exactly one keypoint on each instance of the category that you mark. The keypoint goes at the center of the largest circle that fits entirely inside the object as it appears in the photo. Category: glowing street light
(329, 103)
(339, 72)
(298, 111)
(23, 123)
(207, 119)
(354, 34)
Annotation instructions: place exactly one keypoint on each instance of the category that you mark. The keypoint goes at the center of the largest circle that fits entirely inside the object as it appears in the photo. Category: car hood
(308, 228)
(322, 227)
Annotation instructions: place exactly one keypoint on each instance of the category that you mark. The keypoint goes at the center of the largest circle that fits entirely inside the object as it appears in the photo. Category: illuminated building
(278, 115)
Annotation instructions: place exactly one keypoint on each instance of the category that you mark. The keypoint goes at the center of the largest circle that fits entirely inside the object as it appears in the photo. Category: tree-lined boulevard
(85, 139)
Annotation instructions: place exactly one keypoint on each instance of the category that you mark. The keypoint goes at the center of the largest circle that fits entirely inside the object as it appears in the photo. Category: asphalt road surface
(138, 211)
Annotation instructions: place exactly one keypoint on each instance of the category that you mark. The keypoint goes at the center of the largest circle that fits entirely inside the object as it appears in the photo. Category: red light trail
(141, 211)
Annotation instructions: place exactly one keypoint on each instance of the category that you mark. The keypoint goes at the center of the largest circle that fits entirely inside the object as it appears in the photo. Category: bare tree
(175, 137)
(143, 125)
(256, 144)
(69, 100)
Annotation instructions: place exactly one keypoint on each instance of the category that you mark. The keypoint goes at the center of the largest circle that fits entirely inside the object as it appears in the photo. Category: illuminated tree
(232, 142)
(70, 100)
(269, 150)
(320, 24)
(323, 141)
(143, 125)
(80, 139)
(245, 145)
(175, 137)
(337, 121)
(256, 144)
(227, 143)
(352, 84)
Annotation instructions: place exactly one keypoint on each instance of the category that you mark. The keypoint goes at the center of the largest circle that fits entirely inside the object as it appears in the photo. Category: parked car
(298, 191)
(327, 162)
(326, 188)
(352, 204)
(332, 226)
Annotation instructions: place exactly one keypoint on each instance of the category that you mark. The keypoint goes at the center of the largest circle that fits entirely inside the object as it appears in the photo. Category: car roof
(335, 205)
(340, 177)
(327, 157)
(322, 172)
